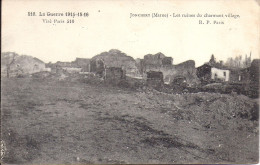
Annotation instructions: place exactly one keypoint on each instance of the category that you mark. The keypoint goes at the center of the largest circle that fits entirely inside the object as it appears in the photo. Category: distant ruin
(114, 75)
(154, 79)
(116, 58)
(161, 63)
(13, 65)
(116, 65)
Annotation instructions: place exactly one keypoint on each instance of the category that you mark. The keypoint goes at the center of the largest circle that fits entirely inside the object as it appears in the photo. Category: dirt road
(49, 121)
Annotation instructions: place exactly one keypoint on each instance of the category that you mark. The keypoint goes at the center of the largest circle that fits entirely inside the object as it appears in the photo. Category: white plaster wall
(220, 74)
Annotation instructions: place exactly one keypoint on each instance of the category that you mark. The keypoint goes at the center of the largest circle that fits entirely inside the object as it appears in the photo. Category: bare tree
(8, 59)
(212, 60)
(239, 62)
(247, 61)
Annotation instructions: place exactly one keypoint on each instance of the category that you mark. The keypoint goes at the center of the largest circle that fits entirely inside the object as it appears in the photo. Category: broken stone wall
(114, 75)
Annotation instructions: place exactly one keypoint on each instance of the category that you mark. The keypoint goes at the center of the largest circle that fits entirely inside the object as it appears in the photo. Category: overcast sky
(109, 26)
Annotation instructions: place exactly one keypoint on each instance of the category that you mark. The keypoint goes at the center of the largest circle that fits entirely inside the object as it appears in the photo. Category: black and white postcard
(130, 82)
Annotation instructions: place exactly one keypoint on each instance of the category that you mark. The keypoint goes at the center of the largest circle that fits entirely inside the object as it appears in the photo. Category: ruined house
(154, 79)
(155, 62)
(65, 64)
(186, 69)
(161, 63)
(79, 65)
(240, 75)
(246, 75)
(115, 58)
(114, 75)
(209, 73)
(69, 67)
(97, 66)
(20, 65)
(83, 63)
(221, 74)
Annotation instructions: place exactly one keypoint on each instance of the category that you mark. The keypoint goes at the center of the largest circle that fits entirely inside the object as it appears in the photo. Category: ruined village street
(49, 121)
